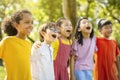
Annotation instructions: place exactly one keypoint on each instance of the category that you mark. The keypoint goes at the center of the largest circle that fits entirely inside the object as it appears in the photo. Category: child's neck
(86, 35)
(47, 42)
(108, 38)
(21, 36)
(64, 38)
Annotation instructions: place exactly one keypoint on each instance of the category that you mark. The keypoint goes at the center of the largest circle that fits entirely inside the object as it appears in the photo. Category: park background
(50, 10)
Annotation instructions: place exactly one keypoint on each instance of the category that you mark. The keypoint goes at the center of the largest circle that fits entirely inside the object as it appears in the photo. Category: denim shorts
(83, 74)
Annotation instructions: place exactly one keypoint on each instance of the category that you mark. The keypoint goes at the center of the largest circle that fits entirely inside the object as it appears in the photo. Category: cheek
(47, 35)
(62, 30)
(103, 32)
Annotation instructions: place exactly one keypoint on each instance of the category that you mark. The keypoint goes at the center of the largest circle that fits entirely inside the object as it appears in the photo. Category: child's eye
(32, 22)
(28, 22)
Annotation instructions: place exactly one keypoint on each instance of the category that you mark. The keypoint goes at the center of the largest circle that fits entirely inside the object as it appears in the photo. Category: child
(105, 67)
(15, 49)
(83, 49)
(62, 47)
(42, 58)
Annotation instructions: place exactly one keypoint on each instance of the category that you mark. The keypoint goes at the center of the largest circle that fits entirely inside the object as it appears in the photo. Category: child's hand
(37, 44)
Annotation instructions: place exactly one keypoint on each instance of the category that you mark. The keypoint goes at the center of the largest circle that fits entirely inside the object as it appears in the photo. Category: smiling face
(85, 26)
(49, 35)
(66, 28)
(106, 30)
(25, 25)
(48, 32)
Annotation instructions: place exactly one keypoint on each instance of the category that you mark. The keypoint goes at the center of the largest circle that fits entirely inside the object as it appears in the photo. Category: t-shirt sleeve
(2, 47)
(55, 46)
(74, 48)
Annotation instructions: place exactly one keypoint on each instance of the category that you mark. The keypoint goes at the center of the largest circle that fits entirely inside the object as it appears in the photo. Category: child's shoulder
(55, 42)
(105, 40)
(66, 41)
(7, 38)
(101, 39)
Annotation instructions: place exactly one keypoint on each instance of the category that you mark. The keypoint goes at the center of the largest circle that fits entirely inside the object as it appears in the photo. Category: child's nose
(70, 27)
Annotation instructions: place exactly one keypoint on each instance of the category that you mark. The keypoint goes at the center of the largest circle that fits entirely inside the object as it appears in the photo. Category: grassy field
(2, 73)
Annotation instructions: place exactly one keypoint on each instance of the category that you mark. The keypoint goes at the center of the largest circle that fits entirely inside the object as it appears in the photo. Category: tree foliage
(51, 10)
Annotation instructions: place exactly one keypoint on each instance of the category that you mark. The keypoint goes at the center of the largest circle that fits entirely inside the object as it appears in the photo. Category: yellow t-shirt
(55, 46)
(15, 53)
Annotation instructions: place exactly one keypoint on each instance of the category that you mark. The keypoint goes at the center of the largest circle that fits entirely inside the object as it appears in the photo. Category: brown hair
(7, 24)
(44, 27)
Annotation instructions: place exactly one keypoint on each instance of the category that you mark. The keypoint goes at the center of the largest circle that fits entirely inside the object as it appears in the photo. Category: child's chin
(52, 40)
(28, 33)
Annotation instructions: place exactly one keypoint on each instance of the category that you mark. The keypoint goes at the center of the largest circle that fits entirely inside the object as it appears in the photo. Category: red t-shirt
(105, 65)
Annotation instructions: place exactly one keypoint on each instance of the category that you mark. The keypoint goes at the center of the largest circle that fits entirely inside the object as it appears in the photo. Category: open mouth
(88, 28)
(54, 36)
(68, 31)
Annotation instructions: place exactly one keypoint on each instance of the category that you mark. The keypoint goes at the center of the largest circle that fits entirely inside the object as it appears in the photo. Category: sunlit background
(50, 10)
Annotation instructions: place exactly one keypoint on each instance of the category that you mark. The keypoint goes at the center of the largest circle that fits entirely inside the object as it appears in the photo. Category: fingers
(37, 44)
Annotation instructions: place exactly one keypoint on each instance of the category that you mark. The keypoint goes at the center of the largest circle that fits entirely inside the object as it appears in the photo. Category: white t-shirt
(42, 63)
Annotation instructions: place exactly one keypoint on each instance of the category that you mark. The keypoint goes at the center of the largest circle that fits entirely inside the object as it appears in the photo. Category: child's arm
(2, 47)
(118, 66)
(72, 61)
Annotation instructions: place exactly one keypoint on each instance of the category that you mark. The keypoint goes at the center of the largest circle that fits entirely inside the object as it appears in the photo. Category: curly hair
(8, 27)
(7, 23)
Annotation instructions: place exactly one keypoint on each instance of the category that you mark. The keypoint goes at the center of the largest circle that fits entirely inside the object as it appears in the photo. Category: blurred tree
(51, 10)
(69, 10)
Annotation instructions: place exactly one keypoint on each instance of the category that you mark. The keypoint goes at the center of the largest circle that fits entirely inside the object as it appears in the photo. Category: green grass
(2, 73)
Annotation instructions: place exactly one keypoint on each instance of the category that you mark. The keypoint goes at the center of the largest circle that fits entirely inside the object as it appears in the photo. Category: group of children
(48, 60)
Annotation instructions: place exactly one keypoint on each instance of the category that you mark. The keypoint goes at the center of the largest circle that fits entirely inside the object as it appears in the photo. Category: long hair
(78, 34)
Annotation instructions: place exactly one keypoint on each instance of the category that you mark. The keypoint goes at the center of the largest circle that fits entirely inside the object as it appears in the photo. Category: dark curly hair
(8, 27)
(7, 23)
